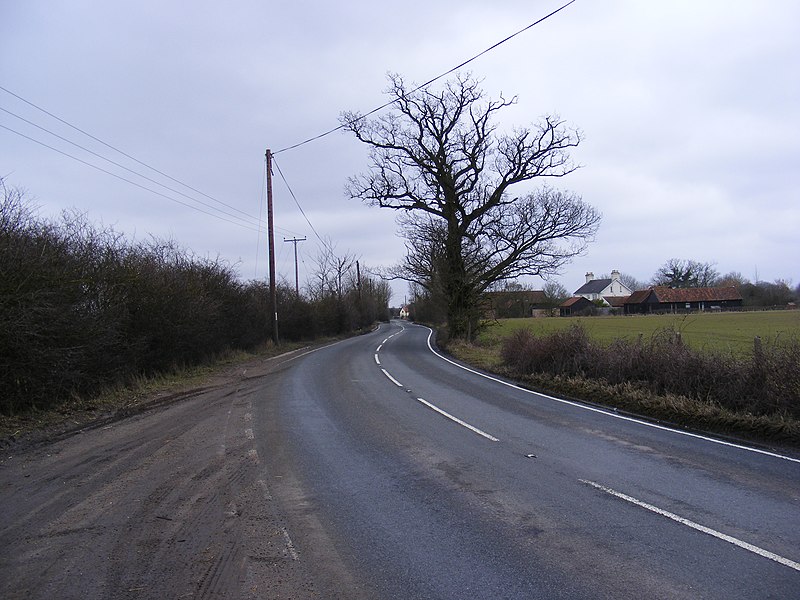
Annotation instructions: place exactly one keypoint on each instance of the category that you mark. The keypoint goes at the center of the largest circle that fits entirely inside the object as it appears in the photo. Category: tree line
(82, 308)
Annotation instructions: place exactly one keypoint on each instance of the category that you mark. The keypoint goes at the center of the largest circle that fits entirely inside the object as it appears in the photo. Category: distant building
(606, 290)
(665, 299)
(405, 312)
(577, 305)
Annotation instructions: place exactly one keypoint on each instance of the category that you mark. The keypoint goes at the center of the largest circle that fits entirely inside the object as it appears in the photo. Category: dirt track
(171, 503)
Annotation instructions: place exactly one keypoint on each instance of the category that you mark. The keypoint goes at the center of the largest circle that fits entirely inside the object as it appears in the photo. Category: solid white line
(607, 412)
(377, 360)
(457, 420)
(731, 540)
(392, 379)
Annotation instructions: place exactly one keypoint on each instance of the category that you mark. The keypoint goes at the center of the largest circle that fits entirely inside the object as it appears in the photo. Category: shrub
(81, 309)
(767, 382)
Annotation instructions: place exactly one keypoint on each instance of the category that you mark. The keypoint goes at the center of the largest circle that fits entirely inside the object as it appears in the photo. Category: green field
(732, 331)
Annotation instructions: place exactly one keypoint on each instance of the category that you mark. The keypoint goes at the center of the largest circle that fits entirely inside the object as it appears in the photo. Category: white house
(603, 289)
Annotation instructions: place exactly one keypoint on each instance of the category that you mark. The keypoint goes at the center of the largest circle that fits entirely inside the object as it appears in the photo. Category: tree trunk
(462, 313)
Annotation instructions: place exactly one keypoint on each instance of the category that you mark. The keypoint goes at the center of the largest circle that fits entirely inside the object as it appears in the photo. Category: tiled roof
(666, 294)
(638, 296)
(616, 301)
(571, 301)
(595, 286)
(706, 294)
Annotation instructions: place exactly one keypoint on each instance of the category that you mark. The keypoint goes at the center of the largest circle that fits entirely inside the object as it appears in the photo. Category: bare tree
(333, 274)
(439, 158)
(554, 294)
(680, 273)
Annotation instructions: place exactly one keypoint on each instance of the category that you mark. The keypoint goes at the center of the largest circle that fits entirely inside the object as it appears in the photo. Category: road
(376, 468)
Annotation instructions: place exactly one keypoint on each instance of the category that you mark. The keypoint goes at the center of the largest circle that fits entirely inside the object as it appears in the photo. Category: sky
(690, 113)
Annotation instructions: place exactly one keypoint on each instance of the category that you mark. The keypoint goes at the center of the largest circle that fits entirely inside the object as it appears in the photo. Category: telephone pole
(296, 273)
(273, 296)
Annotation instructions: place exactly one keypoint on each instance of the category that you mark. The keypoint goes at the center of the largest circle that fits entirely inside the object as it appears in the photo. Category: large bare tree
(438, 157)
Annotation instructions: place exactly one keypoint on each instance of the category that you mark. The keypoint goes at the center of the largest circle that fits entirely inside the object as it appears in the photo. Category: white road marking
(457, 420)
(377, 360)
(378, 349)
(727, 538)
(290, 546)
(392, 379)
(608, 413)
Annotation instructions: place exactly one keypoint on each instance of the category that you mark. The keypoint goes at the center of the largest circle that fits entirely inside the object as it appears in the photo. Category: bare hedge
(765, 383)
(81, 308)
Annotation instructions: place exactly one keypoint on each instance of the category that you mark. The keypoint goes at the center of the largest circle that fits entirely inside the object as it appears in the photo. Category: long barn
(664, 299)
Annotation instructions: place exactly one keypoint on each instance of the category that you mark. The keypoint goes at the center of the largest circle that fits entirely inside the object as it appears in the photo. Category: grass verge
(688, 413)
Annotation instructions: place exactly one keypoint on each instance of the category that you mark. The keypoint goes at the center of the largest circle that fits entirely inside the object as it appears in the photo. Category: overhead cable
(430, 81)
(250, 219)
(125, 179)
(305, 216)
(115, 149)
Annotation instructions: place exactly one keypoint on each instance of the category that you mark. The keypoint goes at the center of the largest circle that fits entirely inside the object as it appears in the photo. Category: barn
(674, 300)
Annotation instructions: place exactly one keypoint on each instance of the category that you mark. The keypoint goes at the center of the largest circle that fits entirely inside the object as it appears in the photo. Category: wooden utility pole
(273, 295)
(296, 272)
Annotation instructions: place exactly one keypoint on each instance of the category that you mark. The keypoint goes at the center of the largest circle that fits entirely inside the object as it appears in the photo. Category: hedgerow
(766, 382)
(82, 309)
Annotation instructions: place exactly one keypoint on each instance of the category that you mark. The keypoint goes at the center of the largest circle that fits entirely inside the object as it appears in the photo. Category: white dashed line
(392, 379)
(457, 420)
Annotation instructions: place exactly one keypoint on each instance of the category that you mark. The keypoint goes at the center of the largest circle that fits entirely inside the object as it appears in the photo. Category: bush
(81, 309)
(767, 382)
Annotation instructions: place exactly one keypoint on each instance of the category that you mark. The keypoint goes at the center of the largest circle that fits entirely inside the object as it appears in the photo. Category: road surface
(376, 468)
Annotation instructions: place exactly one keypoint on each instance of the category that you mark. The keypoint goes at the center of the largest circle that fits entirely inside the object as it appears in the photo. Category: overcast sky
(690, 112)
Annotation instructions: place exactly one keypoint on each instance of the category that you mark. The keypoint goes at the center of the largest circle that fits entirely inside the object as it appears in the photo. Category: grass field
(733, 332)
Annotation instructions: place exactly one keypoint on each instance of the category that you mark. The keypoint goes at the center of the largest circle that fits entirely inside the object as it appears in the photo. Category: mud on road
(174, 502)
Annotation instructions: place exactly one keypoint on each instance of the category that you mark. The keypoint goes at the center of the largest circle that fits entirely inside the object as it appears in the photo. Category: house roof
(595, 286)
(638, 296)
(616, 301)
(706, 294)
(677, 295)
(572, 301)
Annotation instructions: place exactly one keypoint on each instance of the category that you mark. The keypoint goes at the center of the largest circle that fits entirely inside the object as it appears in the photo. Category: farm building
(575, 306)
(665, 299)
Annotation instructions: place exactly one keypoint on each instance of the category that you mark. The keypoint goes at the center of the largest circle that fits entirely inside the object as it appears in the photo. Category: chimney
(589, 276)
(614, 275)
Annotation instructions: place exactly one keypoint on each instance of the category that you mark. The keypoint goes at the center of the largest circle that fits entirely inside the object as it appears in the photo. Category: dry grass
(755, 395)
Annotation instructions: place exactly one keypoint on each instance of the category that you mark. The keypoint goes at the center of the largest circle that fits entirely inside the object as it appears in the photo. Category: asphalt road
(375, 468)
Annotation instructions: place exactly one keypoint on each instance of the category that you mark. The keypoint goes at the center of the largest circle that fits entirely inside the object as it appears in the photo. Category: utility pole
(296, 273)
(273, 296)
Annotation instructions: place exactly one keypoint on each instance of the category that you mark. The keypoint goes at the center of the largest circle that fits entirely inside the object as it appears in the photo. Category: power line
(250, 219)
(291, 192)
(430, 81)
(115, 149)
(139, 185)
